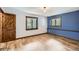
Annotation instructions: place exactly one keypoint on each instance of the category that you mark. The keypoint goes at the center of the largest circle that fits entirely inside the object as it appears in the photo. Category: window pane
(53, 22)
(29, 23)
(34, 23)
(58, 21)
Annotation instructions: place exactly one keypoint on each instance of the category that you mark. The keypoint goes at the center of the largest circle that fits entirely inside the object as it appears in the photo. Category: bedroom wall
(70, 21)
(21, 20)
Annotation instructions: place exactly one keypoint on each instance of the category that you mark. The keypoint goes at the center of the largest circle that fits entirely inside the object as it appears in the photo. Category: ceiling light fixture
(44, 9)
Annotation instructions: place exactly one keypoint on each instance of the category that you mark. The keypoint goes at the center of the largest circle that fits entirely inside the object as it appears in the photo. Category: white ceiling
(50, 11)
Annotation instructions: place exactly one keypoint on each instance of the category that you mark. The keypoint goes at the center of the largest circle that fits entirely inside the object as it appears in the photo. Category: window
(31, 23)
(56, 22)
(53, 22)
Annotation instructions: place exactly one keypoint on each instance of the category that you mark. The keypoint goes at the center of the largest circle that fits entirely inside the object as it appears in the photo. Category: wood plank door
(9, 27)
(0, 27)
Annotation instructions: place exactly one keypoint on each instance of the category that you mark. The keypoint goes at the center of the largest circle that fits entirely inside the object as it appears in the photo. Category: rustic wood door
(8, 27)
(0, 27)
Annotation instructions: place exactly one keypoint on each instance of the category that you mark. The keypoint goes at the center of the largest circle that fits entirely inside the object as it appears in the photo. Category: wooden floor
(56, 41)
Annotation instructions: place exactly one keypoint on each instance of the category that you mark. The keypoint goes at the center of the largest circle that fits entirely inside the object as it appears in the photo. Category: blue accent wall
(70, 21)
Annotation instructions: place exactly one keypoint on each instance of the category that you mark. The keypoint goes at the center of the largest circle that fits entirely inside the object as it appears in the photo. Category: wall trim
(31, 35)
(64, 29)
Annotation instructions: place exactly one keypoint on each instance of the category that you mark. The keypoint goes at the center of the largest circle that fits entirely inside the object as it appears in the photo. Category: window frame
(56, 21)
(32, 23)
